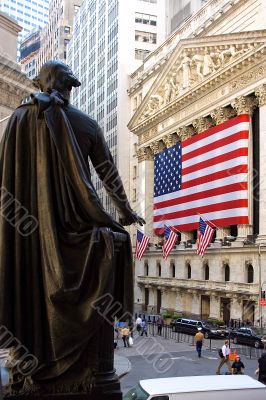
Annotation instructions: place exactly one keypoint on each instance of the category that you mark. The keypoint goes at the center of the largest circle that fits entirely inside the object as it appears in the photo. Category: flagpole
(206, 219)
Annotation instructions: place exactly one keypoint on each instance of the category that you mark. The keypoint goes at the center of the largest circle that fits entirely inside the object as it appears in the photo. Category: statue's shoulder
(77, 115)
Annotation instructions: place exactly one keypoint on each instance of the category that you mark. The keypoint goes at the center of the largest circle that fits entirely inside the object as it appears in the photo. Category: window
(146, 19)
(67, 29)
(188, 268)
(250, 273)
(146, 268)
(147, 37)
(172, 268)
(159, 268)
(134, 172)
(141, 54)
(206, 272)
(226, 273)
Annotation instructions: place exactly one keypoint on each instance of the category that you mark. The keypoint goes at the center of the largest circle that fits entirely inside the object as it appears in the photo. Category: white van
(218, 387)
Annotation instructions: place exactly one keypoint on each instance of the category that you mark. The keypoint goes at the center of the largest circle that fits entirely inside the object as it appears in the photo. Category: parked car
(251, 336)
(190, 326)
(218, 387)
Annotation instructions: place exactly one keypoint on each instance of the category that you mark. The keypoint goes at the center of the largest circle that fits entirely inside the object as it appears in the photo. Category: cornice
(233, 78)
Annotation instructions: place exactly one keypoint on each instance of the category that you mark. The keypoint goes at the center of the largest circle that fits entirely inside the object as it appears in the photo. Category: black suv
(190, 326)
(251, 336)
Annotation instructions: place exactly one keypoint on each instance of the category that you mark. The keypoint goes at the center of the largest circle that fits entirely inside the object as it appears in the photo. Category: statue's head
(55, 75)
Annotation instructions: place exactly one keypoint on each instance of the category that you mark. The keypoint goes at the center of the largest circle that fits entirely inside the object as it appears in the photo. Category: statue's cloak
(56, 249)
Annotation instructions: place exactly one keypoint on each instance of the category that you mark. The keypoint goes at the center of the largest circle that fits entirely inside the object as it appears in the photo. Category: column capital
(202, 124)
(245, 104)
(157, 146)
(144, 154)
(222, 114)
(260, 93)
(170, 140)
(185, 132)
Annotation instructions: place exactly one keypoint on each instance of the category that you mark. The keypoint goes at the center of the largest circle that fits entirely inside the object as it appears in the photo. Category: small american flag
(205, 234)
(141, 244)
(170, 238)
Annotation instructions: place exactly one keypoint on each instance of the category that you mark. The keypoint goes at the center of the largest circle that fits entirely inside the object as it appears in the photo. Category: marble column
(246, 105)
(196, 302)
(221, 233)
(261, 94)
(236, 307)
(179, 300)
(214, 306)
(146, 180)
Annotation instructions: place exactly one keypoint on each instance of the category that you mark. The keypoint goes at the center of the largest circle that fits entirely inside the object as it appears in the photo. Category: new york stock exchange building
(202, 93)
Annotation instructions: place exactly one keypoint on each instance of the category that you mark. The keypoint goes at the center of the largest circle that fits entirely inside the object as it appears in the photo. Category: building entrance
(159, 301)
(225, 310)
(248, 312)
(205, 307)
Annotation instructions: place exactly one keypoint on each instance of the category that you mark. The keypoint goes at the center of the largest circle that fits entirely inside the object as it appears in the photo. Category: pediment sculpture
(192, 67)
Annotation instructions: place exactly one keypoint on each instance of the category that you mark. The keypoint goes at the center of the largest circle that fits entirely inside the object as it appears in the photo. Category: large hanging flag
(170, 238)
(205, 174)
(205, 234)
(141, 244)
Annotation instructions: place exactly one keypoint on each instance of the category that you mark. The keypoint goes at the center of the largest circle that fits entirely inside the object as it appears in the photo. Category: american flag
(170, 238)
(205, 174)
(205, 234)
(141, 244)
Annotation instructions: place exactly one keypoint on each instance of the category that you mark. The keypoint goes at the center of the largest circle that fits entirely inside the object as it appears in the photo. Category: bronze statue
(57, 248)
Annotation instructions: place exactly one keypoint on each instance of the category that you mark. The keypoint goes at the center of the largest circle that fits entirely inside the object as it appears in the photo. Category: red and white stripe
(141, 247)
(169, 244)
(214, 180)
(204, 240)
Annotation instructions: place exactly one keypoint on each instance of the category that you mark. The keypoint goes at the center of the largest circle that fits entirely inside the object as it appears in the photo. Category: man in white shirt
(138, 324)
(225, 358)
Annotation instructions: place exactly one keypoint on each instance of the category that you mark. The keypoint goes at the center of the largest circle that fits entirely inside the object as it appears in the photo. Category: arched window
(226, 273)
(172, 268)
(146, 268)
(188, 271)
(206, 272)
(159, 268)
(250, 273)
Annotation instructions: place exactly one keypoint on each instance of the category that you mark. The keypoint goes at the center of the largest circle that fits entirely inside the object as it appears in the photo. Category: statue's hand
(133, 218)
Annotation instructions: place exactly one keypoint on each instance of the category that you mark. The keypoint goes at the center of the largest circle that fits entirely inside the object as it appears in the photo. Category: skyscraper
(110, 40)
(57, 33)
(30, 14)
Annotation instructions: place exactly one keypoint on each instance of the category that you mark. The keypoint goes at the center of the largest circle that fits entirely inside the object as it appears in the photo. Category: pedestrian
(238, 367)
(199, 341)
(125, 336)
(262, 368)
(225, 358)
(138, 324)
(159, 325)
(131, 327)
(144, 328)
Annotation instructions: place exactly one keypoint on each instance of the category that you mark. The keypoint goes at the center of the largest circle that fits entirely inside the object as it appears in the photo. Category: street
(157, 357)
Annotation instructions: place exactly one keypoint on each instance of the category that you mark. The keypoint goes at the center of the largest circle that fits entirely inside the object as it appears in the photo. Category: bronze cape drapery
(50, 276)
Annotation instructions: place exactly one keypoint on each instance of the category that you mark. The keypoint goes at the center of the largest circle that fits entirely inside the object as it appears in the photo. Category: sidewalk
(122, 365)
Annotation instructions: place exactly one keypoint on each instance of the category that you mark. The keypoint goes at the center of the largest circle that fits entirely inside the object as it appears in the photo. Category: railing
(209, 344)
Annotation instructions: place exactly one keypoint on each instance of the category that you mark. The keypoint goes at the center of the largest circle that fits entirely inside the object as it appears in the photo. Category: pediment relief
(190, 67)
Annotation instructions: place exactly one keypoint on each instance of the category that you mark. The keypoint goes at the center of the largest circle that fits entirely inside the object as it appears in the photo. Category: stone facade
(202, 81)
(13, 84)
